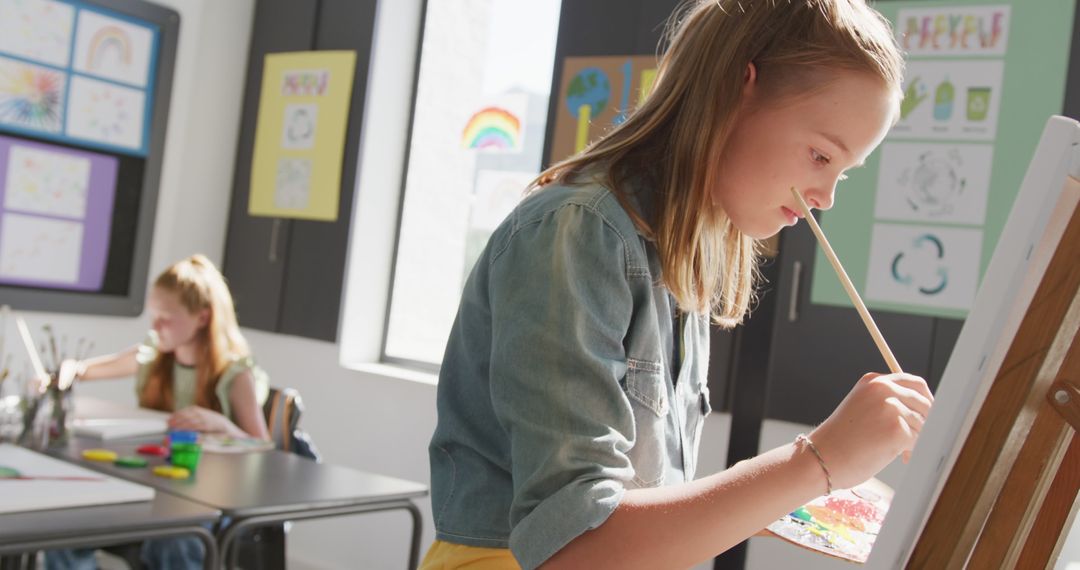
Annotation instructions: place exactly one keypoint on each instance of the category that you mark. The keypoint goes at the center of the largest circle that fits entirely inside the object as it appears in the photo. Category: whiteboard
(19, 495)
(1038, 218)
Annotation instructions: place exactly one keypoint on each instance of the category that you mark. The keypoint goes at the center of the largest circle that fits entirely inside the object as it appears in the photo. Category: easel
(1010, 495)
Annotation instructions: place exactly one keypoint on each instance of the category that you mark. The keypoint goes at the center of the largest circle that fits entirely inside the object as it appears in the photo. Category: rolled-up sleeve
(561, 306)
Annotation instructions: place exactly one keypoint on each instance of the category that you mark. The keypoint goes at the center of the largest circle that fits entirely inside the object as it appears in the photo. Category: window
(476, 140)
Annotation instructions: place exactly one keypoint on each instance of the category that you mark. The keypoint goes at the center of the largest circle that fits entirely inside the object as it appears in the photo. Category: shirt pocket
(647, 390)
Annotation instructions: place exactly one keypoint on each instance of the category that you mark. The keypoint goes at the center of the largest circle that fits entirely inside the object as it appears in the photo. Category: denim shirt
(556, 391)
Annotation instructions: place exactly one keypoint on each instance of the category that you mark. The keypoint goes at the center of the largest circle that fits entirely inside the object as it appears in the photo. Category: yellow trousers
(449, 556)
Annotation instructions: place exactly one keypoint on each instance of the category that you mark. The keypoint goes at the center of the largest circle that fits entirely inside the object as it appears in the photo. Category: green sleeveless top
(184, 378)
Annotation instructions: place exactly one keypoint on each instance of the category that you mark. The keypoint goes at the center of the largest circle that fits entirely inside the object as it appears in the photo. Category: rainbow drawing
(492, 129)
(108, 39)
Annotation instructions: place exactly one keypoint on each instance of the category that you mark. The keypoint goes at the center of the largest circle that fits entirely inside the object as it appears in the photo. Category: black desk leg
(19, 562)
(414, 549)
(228, 535)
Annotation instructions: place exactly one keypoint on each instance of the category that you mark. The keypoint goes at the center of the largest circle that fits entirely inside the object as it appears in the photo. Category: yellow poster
(300, 134)
(595, 94)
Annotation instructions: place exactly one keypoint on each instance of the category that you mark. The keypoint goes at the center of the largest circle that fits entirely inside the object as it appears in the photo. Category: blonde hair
(198, 285)
(675, 137)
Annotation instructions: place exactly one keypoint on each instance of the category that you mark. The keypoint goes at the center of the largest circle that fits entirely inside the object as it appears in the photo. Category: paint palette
(843, 524)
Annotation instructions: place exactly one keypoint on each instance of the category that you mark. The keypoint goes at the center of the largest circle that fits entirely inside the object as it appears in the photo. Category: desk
(163, 516)
(257, 489)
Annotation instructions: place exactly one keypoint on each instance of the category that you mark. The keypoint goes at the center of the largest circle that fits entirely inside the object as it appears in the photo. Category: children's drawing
(843, 524)
(924, 265)
(293, 187)
(44, 182)
(298, 127)
(586, 96)
(31, 97)
(597, 93)
(38, 30)
(497, 127)
(40, 249)
(963, 97)
(105, 113)
(112, 48)
(930, 182)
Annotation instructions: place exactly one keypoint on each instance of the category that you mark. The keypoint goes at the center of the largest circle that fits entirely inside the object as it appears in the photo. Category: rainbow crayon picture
(494, 128)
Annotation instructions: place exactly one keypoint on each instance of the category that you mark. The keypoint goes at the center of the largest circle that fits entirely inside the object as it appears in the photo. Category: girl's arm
(116, 365)
(245, 408)
(681, 525)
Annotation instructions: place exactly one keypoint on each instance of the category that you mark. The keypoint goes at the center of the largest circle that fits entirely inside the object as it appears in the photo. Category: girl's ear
(749, 83)
(750, 76)
(204, 317)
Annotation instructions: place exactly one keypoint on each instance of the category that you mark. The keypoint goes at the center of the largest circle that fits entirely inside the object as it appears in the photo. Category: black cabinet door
(256, 247)
(818, 352)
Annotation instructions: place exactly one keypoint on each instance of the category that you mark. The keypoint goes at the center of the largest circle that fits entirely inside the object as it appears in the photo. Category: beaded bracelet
(803, 439)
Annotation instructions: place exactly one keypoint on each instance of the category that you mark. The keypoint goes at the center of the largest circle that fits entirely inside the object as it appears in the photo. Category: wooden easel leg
(1049, 530)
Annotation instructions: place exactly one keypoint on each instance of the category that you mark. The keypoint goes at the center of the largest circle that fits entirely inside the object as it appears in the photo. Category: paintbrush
(867, 320)
(52, 344)
(35, 359)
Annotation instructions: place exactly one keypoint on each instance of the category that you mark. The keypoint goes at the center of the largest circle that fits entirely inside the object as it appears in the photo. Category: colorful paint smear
(844, 524)
(492, 128)
(31, 97)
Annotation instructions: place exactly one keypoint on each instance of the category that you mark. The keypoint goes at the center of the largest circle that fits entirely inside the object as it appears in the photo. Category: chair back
(282, 411)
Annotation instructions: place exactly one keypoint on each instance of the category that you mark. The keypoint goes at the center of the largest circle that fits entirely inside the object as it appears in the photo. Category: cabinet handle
(274, 229)
(793, 298)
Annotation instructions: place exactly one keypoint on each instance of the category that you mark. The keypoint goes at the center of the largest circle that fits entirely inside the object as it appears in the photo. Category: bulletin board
(981, 79)
(83, 106)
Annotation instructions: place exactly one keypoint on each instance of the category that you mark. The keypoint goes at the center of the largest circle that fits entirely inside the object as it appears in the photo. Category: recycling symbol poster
(917, 225)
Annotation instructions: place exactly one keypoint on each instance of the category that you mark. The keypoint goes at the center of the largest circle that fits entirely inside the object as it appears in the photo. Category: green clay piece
(130, 461)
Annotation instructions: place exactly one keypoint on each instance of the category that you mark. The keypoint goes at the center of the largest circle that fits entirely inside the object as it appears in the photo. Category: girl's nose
(820, 199)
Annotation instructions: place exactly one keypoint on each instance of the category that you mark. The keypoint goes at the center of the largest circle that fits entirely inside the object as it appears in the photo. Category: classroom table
(270, 487)
(163, 516)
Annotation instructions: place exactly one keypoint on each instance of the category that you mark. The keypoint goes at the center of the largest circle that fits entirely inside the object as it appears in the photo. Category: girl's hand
(199, 419)
(879, 419)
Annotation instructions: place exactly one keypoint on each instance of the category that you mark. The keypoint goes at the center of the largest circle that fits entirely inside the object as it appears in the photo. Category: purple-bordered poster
(56, 208)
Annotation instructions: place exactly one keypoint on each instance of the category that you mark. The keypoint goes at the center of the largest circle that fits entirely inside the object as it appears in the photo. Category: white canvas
(1031, 234)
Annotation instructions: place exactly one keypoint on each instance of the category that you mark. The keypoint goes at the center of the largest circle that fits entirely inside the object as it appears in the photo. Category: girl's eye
(818, 157)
